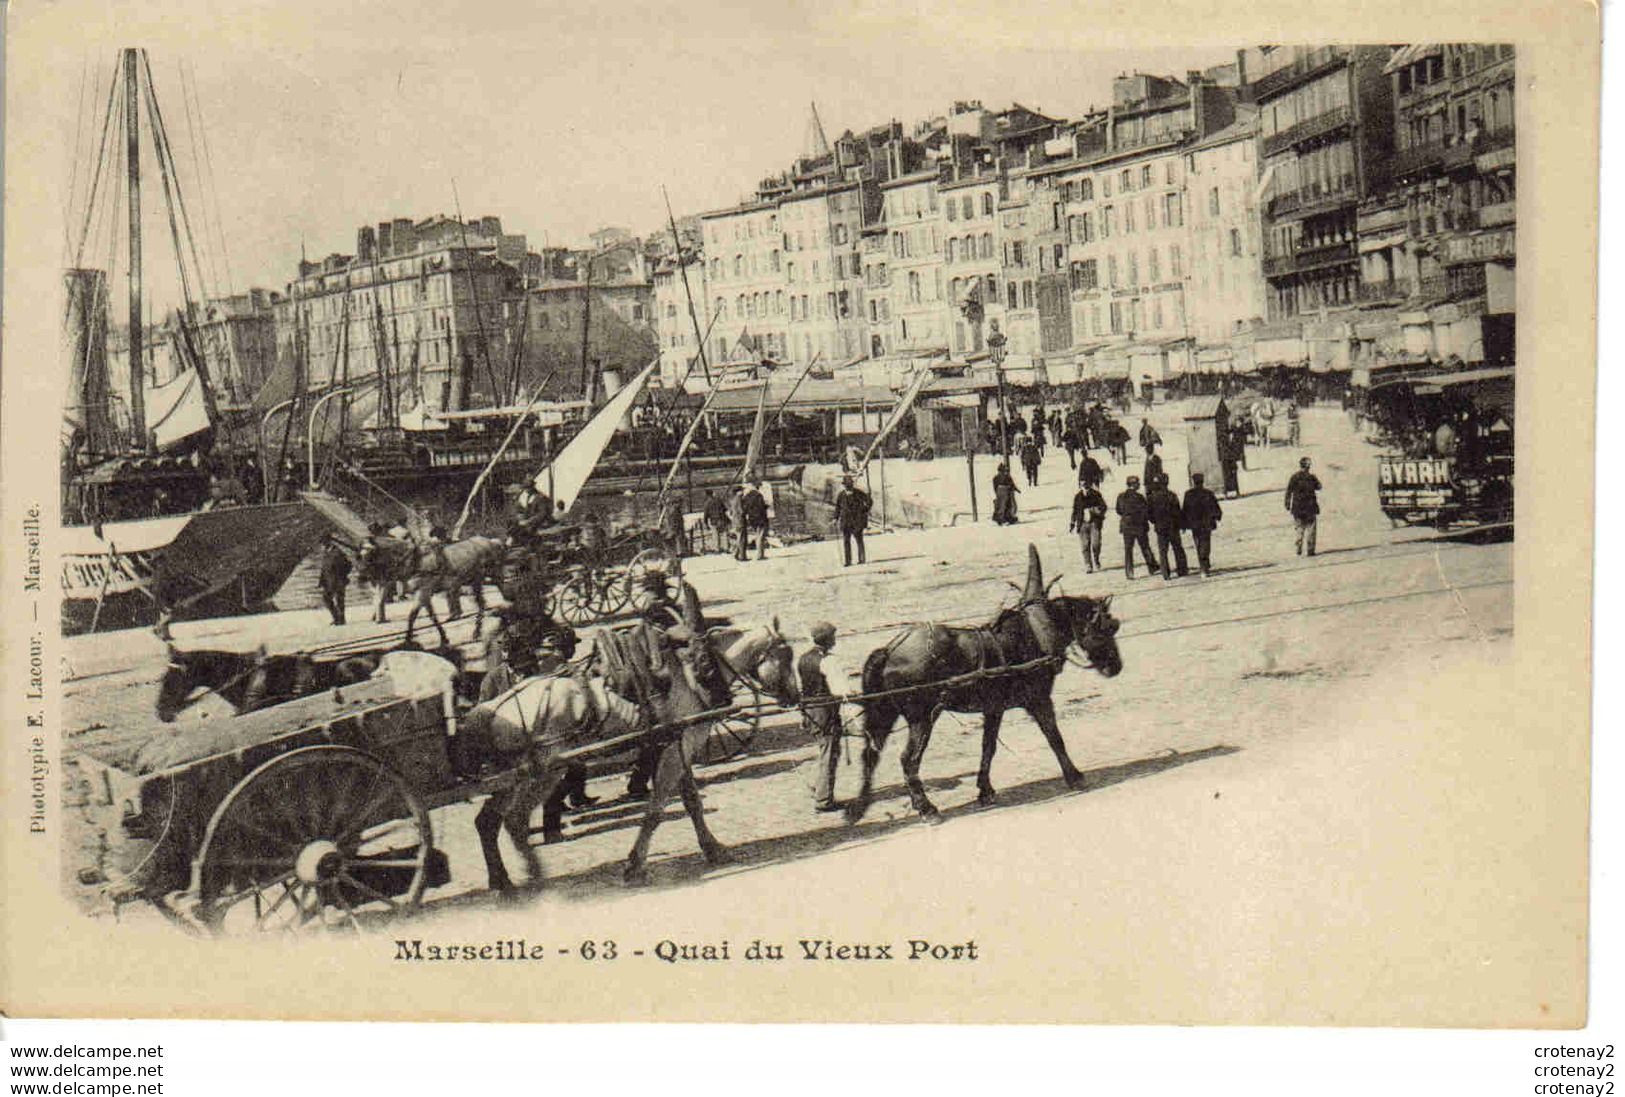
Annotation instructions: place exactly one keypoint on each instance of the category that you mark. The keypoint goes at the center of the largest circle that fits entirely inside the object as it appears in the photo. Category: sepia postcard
(863, 513)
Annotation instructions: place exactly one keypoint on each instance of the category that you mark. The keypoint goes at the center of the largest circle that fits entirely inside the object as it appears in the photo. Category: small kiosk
(1207, 429)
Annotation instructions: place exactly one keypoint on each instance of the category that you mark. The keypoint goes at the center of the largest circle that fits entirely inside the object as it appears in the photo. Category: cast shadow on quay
(890, 813)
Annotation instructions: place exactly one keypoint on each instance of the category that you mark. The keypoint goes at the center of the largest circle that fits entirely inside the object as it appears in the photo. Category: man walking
(1148, 437)
(753, 507)
(334, 578)
(1031, 455)
(1202, 514)
(1303, 505)
(1089, 472)
(1168, 520)
(1088, 520)
(852, 516)
(1133, 522)
(1152, 472)
(823, 719)
(716, 517)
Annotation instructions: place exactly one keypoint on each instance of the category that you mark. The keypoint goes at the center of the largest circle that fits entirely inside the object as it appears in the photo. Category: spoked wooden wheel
(731, 736)
(321, 837)
(580, 599)
(609, 592)
(635, 583)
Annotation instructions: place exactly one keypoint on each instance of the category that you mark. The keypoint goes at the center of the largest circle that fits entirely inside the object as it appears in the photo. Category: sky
(559, 120)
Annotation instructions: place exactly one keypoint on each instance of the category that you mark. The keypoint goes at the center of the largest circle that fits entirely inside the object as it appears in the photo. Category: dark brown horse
(1039, 630)
(429, 570)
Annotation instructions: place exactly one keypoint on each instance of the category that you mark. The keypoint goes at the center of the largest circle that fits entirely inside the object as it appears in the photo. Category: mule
(1039, 627)
(466, 563)
(251, 680)
(683, 676)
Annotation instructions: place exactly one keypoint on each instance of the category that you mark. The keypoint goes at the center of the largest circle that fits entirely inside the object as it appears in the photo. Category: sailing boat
(148, 533)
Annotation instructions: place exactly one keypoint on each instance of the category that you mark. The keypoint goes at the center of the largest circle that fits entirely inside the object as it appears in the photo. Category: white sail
(921, 376)
(567, 475)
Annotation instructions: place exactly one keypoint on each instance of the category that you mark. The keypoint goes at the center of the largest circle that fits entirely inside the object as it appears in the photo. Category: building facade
(1225, 289)
(1325, 143)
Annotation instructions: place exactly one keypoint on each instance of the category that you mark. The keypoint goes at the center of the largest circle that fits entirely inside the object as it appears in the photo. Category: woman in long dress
(1004, 496)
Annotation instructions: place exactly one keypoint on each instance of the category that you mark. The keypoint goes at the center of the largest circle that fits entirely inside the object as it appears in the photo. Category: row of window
(1461, 120)
(965, 207)
(758, 306)
(1318, 97)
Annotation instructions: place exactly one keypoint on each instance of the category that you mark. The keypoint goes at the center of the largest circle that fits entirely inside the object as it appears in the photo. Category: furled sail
(921, 376)
(753, 452)
(564, 478)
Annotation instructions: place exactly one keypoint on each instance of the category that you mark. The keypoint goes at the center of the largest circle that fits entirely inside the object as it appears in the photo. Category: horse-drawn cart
(588, 576)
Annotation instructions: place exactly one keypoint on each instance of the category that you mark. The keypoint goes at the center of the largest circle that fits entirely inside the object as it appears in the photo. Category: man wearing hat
(852, 515)
(1134, 522)
(1202, 514)
(1302, 504)
(823, 720)
(1168, 519)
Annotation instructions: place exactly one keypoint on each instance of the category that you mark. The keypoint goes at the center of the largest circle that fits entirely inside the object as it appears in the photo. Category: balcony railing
(1311, 63)
(1309, 128)
(1309, 258)
(1313, 195)
(1502, 213)
(1441, 156)
(1179, 133)
(1434, 285)
(1373, 292)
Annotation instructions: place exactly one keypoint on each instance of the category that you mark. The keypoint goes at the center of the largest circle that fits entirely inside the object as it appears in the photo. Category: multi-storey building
(823, 272)
(674, 325)
(972, 252)
(434, 303)
(583, 337)
(1325, 139)
(1450, 217)
(1225, 292)
(919, 301)
(745, 278)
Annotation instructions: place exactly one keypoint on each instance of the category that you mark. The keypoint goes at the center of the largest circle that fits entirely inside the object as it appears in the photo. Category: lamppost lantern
(995, 343)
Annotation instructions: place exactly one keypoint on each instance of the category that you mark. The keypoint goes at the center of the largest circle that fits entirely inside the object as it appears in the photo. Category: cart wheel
(573, 600)
(730, 737)
(607, 593)
(650, 559)
(318, 838)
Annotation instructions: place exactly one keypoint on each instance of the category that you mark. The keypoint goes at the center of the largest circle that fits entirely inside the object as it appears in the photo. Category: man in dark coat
(1168, 519)
(716, 517)
(823, 719)
(1152, 472)
(1148, 436)
(1089, 472)
(334, 579)
(753, 512)
(1202, 514)
(1133, 521)
(1031, 454)
(1071, 442)
(1303, 505)
(1088, 521)
(852, 516)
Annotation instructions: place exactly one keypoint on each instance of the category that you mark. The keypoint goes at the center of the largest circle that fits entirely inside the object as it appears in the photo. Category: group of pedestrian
(1159, 510)
(738, 520)
(1077, 430)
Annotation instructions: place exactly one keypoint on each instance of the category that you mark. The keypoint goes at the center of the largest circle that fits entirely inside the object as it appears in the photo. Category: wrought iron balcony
(1439, 156)
(1309, 258)
(1310, 64)
(1373, 292)
(1310, 128)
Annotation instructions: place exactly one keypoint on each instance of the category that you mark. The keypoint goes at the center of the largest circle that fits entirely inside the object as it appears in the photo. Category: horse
(251, 680)
(1039, 627)
(466, 563)
(1263, 419)
(677, 674)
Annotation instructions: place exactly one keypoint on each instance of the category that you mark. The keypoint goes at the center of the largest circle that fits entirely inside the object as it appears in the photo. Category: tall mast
(682, 270)
(589, 377)
(132, 148)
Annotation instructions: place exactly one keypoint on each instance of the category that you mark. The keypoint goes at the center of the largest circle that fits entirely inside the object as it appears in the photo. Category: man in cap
(823, 718)
(1133, 521)
(1202, 514)
(852, 515)
(1152, 472)
(1089, 519)
(1302, 504)
(1167, 518)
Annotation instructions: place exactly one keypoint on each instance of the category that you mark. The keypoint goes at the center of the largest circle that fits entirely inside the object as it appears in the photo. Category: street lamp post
(995, 349)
